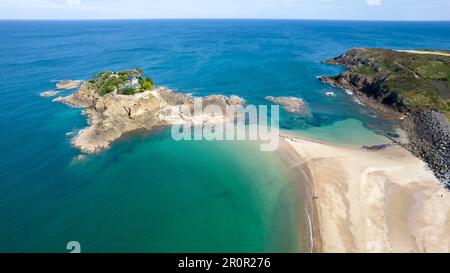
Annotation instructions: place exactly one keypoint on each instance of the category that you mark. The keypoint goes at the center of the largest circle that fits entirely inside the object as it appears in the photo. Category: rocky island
(412, 86)
(117, 103)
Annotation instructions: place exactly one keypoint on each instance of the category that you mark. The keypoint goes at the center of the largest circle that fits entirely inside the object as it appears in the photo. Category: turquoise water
(347, 132)
(149, 193)
(158, 195)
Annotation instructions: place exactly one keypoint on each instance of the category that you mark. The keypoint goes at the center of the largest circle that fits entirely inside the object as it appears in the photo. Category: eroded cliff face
(390, 82)
(113, 115)
(372, 87)
(370, 92)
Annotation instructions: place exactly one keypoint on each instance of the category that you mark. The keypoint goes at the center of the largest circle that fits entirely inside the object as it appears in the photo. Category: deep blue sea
(149, 193)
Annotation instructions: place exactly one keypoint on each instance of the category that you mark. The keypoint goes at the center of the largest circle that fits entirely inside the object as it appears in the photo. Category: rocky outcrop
(49, 93)
(113, 115)
(290, 104)
(365, 91)
(68, 84)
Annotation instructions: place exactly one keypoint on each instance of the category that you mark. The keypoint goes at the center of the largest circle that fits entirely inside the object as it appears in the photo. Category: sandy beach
(425, 52)
(373, 201)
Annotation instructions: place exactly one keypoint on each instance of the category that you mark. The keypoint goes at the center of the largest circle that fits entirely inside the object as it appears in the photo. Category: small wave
(357, 101)
(72, 133)
(294, 98)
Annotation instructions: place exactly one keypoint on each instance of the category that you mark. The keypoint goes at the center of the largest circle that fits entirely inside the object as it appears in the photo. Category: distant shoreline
(227, 19)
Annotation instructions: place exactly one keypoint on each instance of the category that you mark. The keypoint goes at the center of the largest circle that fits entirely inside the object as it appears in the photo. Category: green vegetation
(129, 91)
(435, 70)
(369, 72)
(126, 82)
(417, 80)
(146, 84)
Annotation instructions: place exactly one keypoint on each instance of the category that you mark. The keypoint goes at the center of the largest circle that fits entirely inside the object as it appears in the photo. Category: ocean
(149, 193)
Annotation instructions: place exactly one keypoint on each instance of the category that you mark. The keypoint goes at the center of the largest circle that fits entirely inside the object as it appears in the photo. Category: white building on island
(133, 82)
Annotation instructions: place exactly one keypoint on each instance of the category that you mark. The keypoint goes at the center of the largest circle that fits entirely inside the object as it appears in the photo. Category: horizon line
(229, 19)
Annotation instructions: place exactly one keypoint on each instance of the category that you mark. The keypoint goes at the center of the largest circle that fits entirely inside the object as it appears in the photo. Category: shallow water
(347, 132)
(150, 194)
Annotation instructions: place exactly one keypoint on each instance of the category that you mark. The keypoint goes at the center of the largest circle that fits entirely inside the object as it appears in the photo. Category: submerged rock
(407, 86)
(50, 93)
(68, 84)
(290, 104)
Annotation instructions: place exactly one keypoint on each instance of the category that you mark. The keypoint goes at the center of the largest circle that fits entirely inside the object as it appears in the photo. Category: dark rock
(429, 139)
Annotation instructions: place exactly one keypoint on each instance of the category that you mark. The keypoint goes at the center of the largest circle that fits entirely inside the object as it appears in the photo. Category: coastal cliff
(412, 86)
(115, 107)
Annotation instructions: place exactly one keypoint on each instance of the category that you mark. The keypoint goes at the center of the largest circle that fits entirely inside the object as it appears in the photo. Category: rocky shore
(355, 87)
(113, 115)
(290, 104)
(429, 139)
(391, 83)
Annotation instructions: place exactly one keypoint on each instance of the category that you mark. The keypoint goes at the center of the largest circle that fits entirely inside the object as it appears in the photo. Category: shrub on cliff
(146, 84)
(129, 91)
(110, 84)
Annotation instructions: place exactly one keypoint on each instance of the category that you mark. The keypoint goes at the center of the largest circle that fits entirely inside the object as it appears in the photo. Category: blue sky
(292, 9)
